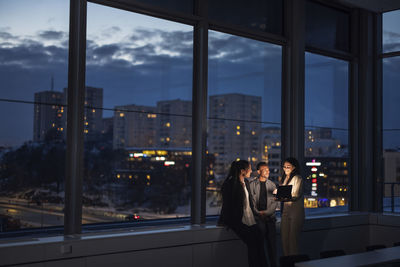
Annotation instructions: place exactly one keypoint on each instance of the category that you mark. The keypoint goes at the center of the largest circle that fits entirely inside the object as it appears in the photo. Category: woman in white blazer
(293, 211)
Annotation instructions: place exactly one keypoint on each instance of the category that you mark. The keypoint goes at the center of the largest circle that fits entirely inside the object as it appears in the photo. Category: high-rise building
(320, 143)
(49, 116)
(107, 125)
(271, 150)
(93, 110)
(392, 172)
(134, 126)
(93, 113)
(234, 130)
(174, 123)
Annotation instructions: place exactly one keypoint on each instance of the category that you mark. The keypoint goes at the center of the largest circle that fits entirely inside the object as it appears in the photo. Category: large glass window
(33, 72)
(391, 123)
(138, 107)
(326, 134)
(244, 110)
(261, 15)
(391, 133)
(327, 28)
(391, 31)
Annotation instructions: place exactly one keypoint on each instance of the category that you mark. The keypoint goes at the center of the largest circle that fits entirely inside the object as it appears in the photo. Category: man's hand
(262, 214)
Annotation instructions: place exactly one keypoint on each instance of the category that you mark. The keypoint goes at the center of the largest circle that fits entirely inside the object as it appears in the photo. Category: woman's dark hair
(236, 167)
(296, 165)
(233, 178)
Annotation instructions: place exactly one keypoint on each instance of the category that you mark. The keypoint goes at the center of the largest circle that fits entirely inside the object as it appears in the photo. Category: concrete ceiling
(373, 5)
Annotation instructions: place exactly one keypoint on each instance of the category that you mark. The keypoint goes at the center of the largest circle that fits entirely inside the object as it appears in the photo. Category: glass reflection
(326, 135)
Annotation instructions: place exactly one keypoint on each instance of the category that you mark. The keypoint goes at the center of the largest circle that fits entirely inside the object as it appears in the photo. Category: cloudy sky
(140, 60)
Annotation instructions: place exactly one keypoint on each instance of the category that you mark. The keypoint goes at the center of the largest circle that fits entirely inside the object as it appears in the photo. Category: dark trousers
(253, 238)
(268, 229)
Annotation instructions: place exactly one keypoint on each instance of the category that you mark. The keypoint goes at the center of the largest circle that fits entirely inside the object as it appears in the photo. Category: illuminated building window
(121, 114)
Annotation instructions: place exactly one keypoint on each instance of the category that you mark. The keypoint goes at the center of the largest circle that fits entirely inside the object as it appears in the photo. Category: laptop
(284, 193)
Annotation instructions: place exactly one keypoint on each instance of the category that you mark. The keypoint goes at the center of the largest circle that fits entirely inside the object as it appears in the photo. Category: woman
(293, 211)
(237, 214)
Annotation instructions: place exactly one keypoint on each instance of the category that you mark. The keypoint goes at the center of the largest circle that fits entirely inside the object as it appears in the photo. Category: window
(185, 6)
(33, 71)
(327, 28)
(244, 111)
(391, 124)
(326, 134)
(391, 133)
(391, 32)
(261, 15)
(138, 106)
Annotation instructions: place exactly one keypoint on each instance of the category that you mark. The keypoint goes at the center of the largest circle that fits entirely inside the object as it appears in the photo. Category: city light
(313, 163)
(313, 169)
(169, 163)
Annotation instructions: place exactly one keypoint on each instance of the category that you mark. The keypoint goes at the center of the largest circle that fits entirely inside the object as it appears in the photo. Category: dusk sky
(140, 60)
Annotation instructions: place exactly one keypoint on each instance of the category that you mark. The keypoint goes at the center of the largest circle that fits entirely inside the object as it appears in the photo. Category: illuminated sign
(313, 163)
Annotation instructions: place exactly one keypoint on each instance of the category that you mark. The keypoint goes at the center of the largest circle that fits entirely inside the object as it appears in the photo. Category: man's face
(263, 171)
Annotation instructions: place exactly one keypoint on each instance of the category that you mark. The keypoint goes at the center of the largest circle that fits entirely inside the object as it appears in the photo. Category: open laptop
(284, 193)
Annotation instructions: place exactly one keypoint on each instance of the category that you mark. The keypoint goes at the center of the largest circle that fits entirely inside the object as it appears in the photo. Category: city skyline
(130, 60)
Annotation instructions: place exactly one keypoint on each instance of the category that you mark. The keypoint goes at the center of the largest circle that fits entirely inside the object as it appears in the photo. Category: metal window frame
(75, 115)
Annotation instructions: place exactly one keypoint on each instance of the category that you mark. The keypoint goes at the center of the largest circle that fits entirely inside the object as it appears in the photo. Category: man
(264, 206)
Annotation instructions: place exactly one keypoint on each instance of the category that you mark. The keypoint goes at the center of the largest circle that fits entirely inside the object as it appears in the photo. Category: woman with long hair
(237, 213)
(293, 211)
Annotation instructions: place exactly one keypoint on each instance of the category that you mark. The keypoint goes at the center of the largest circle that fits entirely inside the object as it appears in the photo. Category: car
(132, 217)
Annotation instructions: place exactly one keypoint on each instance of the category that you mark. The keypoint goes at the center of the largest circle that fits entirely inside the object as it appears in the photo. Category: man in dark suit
(264, 205)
